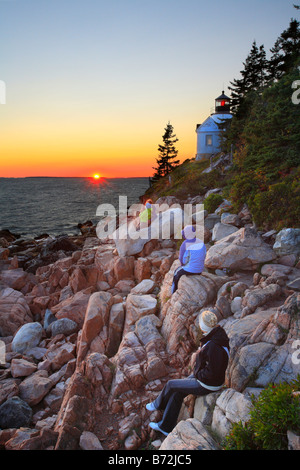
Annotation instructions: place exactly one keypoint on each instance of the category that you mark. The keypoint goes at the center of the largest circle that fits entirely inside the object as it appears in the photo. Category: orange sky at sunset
(79, 154)
(91, 86)
(76, 143)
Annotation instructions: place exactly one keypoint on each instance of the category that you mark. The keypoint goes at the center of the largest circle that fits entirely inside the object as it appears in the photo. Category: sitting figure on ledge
(211, 361)
(191, 256)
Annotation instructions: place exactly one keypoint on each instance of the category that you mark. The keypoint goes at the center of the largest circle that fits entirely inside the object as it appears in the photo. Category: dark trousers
(171, 398)
(178, 273)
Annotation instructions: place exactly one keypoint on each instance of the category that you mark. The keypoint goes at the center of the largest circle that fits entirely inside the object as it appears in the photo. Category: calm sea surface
(32, 206)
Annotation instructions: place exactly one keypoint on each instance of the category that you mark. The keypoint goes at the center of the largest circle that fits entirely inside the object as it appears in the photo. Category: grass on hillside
(273, 206)
(186, 180)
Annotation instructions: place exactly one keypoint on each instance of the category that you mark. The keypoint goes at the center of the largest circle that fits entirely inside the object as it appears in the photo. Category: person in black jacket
(208, 376)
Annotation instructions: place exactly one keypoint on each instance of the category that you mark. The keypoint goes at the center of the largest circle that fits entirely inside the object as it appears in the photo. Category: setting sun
(96, 176)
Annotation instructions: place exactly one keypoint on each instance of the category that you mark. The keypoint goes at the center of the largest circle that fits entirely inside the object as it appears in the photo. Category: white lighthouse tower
(208, 133)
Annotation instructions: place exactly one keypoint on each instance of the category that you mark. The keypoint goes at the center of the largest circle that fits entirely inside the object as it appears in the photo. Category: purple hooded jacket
(192, 251)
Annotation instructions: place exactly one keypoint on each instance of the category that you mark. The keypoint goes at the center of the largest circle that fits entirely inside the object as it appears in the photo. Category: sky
(92, 84)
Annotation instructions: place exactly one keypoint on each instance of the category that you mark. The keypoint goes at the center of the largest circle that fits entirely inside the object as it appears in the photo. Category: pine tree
(167, 153)
(285, 51)
(253, 76)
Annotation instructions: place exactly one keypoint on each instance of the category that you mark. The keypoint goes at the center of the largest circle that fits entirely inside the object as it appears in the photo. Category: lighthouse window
(208, 139)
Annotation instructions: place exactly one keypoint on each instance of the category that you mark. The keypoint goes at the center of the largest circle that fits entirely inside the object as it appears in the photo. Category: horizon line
(105, 177)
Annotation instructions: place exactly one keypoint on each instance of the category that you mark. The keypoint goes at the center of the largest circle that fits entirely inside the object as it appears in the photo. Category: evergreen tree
(238, 92)
(255, 72)
(285, 51)
(167, 153)
(267, 157)
(272, 131)
(253, 77)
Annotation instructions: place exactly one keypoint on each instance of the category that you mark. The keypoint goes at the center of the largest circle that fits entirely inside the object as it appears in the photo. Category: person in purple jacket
(191, 256)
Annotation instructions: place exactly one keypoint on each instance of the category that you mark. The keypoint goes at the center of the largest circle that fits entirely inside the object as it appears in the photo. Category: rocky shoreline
(91, 333)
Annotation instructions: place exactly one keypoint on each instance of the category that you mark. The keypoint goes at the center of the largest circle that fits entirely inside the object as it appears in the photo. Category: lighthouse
(208, 133)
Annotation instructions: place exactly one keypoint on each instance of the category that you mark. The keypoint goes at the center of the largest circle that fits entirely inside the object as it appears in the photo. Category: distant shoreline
(72, 177)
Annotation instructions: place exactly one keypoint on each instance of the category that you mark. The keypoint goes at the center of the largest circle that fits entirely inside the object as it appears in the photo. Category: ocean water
(32, 206)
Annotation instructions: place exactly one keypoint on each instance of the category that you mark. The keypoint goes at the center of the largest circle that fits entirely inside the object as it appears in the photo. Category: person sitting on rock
(147, 215)
(210, 360)
(191, 256)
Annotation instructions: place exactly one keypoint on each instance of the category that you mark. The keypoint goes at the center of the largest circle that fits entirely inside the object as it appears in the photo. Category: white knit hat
(189, 232)
(207, 321)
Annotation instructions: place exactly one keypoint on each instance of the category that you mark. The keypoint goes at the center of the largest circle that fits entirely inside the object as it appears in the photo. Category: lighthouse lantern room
(222, 104)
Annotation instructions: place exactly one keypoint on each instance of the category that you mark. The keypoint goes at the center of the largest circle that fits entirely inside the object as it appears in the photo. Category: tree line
(249, 99)
(259, 72)
(264, 133)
